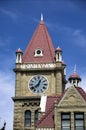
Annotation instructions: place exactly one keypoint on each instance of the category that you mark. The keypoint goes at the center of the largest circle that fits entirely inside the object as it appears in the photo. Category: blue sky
(66, 23)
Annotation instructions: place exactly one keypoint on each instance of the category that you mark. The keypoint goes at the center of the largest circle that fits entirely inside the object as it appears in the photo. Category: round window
(38, 51)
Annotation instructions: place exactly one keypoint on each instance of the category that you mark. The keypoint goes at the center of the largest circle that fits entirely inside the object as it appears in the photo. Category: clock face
(38, 84)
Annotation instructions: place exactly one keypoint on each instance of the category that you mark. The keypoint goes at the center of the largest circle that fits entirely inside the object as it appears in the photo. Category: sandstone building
(41, 101)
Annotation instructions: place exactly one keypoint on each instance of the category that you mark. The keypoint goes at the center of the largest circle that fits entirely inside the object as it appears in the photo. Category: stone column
(58, 78)
(57, 118)
(18, 84)
(72, 120)
(58, 82)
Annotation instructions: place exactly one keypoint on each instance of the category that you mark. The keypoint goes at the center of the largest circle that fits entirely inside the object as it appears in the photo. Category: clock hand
(38, 83)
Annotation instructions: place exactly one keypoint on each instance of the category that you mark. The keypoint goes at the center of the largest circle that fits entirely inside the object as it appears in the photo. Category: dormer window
(38, 53)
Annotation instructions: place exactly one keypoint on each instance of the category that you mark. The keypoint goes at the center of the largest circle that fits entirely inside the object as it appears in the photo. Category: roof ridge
(48, 41)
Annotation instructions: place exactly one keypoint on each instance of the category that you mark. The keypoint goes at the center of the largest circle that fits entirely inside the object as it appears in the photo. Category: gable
(72, 98)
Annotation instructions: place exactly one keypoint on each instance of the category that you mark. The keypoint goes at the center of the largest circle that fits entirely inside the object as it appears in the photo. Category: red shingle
(51, 100)
(47, 120)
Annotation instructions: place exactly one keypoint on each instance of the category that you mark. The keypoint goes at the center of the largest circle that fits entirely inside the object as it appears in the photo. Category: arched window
(36, 116)
(28, 118)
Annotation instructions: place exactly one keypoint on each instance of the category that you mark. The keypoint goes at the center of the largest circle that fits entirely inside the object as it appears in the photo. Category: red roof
(51, 100)
(40, 40)
(82, 92)
(74, 76)
(47, 121)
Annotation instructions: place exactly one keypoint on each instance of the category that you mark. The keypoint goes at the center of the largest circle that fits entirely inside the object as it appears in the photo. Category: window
(79, 121)
(65, 121)
(36, 116)
(18, 57)
(38, 53)
(28, 118)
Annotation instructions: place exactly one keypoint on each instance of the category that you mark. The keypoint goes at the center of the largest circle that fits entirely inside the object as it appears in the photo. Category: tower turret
(58, 53)
(74, 78)
(19, 55)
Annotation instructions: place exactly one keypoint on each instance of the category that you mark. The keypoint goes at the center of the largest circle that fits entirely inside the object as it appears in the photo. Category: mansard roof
(41, 40)
(47, 121)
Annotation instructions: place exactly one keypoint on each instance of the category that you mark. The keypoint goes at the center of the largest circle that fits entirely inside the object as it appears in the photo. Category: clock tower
(39, 71)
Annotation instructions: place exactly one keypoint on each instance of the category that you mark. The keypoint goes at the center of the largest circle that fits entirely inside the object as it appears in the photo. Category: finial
(4, 124)
(41, 17)
(75, 68)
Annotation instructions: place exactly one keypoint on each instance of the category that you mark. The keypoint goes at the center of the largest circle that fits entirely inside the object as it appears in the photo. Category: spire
(41, 17)
(75, 68)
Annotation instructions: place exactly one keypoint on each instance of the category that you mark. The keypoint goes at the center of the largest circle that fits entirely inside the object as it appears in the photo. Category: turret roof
(19, 50)
(74, 76)
(58, 49)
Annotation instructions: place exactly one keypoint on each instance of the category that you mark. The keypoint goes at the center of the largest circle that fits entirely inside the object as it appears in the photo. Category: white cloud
(6, 54)
(13, 14)
(79, 38)
(6, 103)
(5, 41)
(72, 35)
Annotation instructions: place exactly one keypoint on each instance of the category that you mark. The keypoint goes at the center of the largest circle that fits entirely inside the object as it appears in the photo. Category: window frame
(36, 54)
(78, 120)
(27, 118)
(36, 116)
